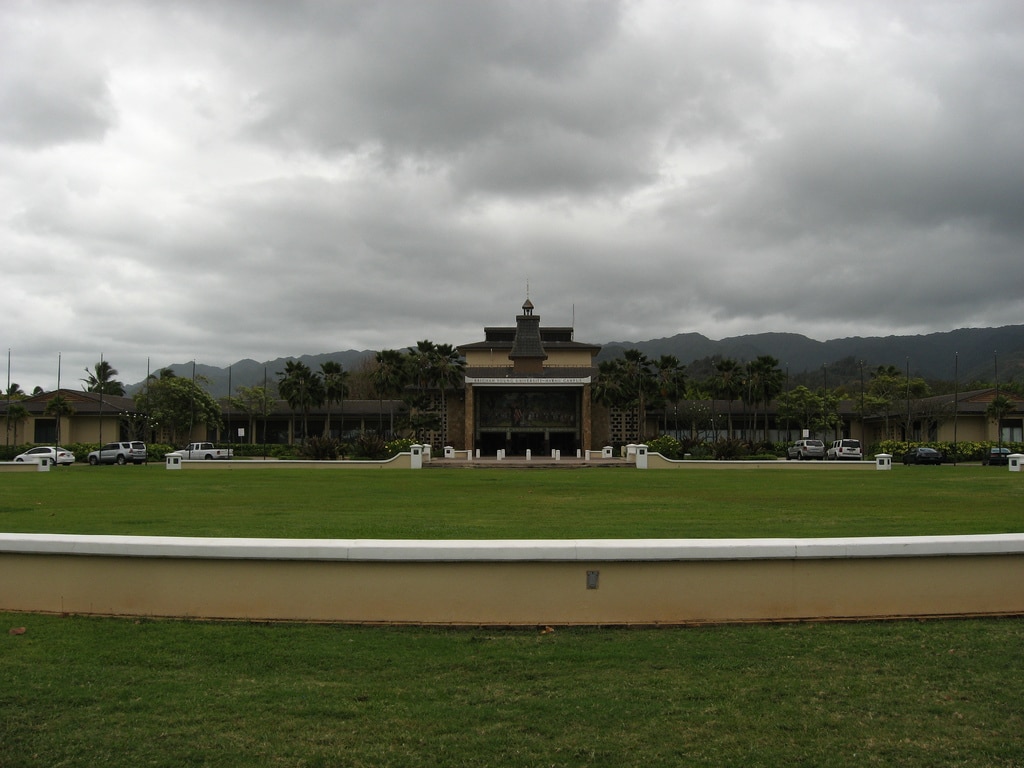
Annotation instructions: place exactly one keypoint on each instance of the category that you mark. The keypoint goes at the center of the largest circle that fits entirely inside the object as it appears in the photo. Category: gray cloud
(244, 180)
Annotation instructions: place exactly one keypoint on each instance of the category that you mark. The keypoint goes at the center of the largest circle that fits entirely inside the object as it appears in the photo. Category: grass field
(81, 691)
(111, 692)
(500, 503)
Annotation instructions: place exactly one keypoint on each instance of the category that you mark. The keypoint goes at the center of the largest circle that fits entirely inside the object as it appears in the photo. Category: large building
(528, 388)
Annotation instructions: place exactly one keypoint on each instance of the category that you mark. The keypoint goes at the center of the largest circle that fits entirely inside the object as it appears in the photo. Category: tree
(728, 384)
(997, 410)
(255, 403)
(388, 379)
(59, 407)
(435, 367)
(302, 389)
(800, 405)
(670, 382)
(14, 392)
(335, 389)
(176, 405)
(102, 380)
(764, 381)
(640, 381)
(451, 369)
(626, 382)
(16, 414)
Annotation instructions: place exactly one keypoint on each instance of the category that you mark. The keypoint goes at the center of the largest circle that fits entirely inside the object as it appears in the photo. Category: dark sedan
(997, 456)
(922, 456)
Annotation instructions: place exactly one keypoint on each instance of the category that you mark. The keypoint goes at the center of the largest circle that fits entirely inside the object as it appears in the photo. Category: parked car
(806, 449)
(922, 455)
(202, 451)
(120, 453)
(55, 454)
(997, 456)
(845, 449)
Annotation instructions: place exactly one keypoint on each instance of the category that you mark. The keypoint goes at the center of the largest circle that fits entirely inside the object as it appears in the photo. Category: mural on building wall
(527, 410)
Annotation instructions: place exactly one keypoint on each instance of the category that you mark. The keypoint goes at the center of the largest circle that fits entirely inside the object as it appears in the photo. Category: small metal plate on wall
(592, 577)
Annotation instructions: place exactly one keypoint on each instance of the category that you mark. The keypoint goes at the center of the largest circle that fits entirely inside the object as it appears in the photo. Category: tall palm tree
(728, 384)
(101, 380)
(59, 407)
(16, 414)
(670, 378)
(640, 382)
(388, 379)
(301, 388)
(996, 411)
(449, 369)
(335, 388)
(765, 381)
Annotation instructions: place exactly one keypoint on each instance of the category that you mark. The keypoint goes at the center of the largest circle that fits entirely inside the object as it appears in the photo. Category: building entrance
(518, 443)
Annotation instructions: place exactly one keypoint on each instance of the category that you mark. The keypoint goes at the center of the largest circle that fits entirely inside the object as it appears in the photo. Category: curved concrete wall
(514, 582)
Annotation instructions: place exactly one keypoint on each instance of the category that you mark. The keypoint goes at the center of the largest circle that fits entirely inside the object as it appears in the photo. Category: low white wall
(657, 461)
(514, 582)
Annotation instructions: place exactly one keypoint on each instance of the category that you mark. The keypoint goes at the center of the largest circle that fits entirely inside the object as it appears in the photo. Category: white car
(55, 455)
(845, 449)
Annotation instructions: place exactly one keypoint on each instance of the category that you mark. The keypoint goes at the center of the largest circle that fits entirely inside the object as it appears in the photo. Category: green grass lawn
(113, 692)
(509, 503)
(83, 691)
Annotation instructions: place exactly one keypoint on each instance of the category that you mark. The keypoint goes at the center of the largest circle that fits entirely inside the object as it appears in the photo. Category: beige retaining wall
(514, 582)
(657, 461)
(400, 461)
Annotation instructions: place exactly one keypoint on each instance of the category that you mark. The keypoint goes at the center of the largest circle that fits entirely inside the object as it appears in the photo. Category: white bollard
(883, 461)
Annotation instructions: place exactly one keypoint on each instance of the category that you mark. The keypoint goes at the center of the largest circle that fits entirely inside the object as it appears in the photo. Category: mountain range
(968, 354)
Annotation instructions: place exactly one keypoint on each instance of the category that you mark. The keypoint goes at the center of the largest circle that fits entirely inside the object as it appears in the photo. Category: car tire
(121, 460)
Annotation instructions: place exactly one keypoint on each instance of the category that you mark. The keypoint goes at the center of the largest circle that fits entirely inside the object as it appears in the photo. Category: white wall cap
(510, 550)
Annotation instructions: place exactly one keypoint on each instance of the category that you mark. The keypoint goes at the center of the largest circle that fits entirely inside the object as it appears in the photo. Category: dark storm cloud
(264, 179)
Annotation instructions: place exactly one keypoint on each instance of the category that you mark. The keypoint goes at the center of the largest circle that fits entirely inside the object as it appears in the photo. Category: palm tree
(301, 388)
(640, 383)
(388, 379)
(670, 378)
(996, 411)
(14, 392)
(16, 414)
(102, 380)
(765, 381)
(449, 368)
(59, 407)
(609, 387)
(335, 389)
(728, 383)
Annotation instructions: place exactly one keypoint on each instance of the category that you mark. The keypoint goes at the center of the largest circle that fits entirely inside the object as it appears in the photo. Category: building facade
(528, 387)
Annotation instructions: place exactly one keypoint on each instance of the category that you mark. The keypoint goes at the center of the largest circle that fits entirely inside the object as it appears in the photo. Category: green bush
(731, 448)
(369, 445)
(398, 445)
(667, 446)
(964, 450)
(322, 449)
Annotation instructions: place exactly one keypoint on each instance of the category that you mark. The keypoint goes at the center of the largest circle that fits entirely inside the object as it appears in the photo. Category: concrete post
(641, 457)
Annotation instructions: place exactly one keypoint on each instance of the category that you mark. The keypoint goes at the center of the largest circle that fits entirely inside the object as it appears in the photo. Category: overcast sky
(227, 180)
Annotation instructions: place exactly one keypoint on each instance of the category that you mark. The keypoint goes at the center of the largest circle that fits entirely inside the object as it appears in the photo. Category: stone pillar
(586, 427)
(470, 418)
